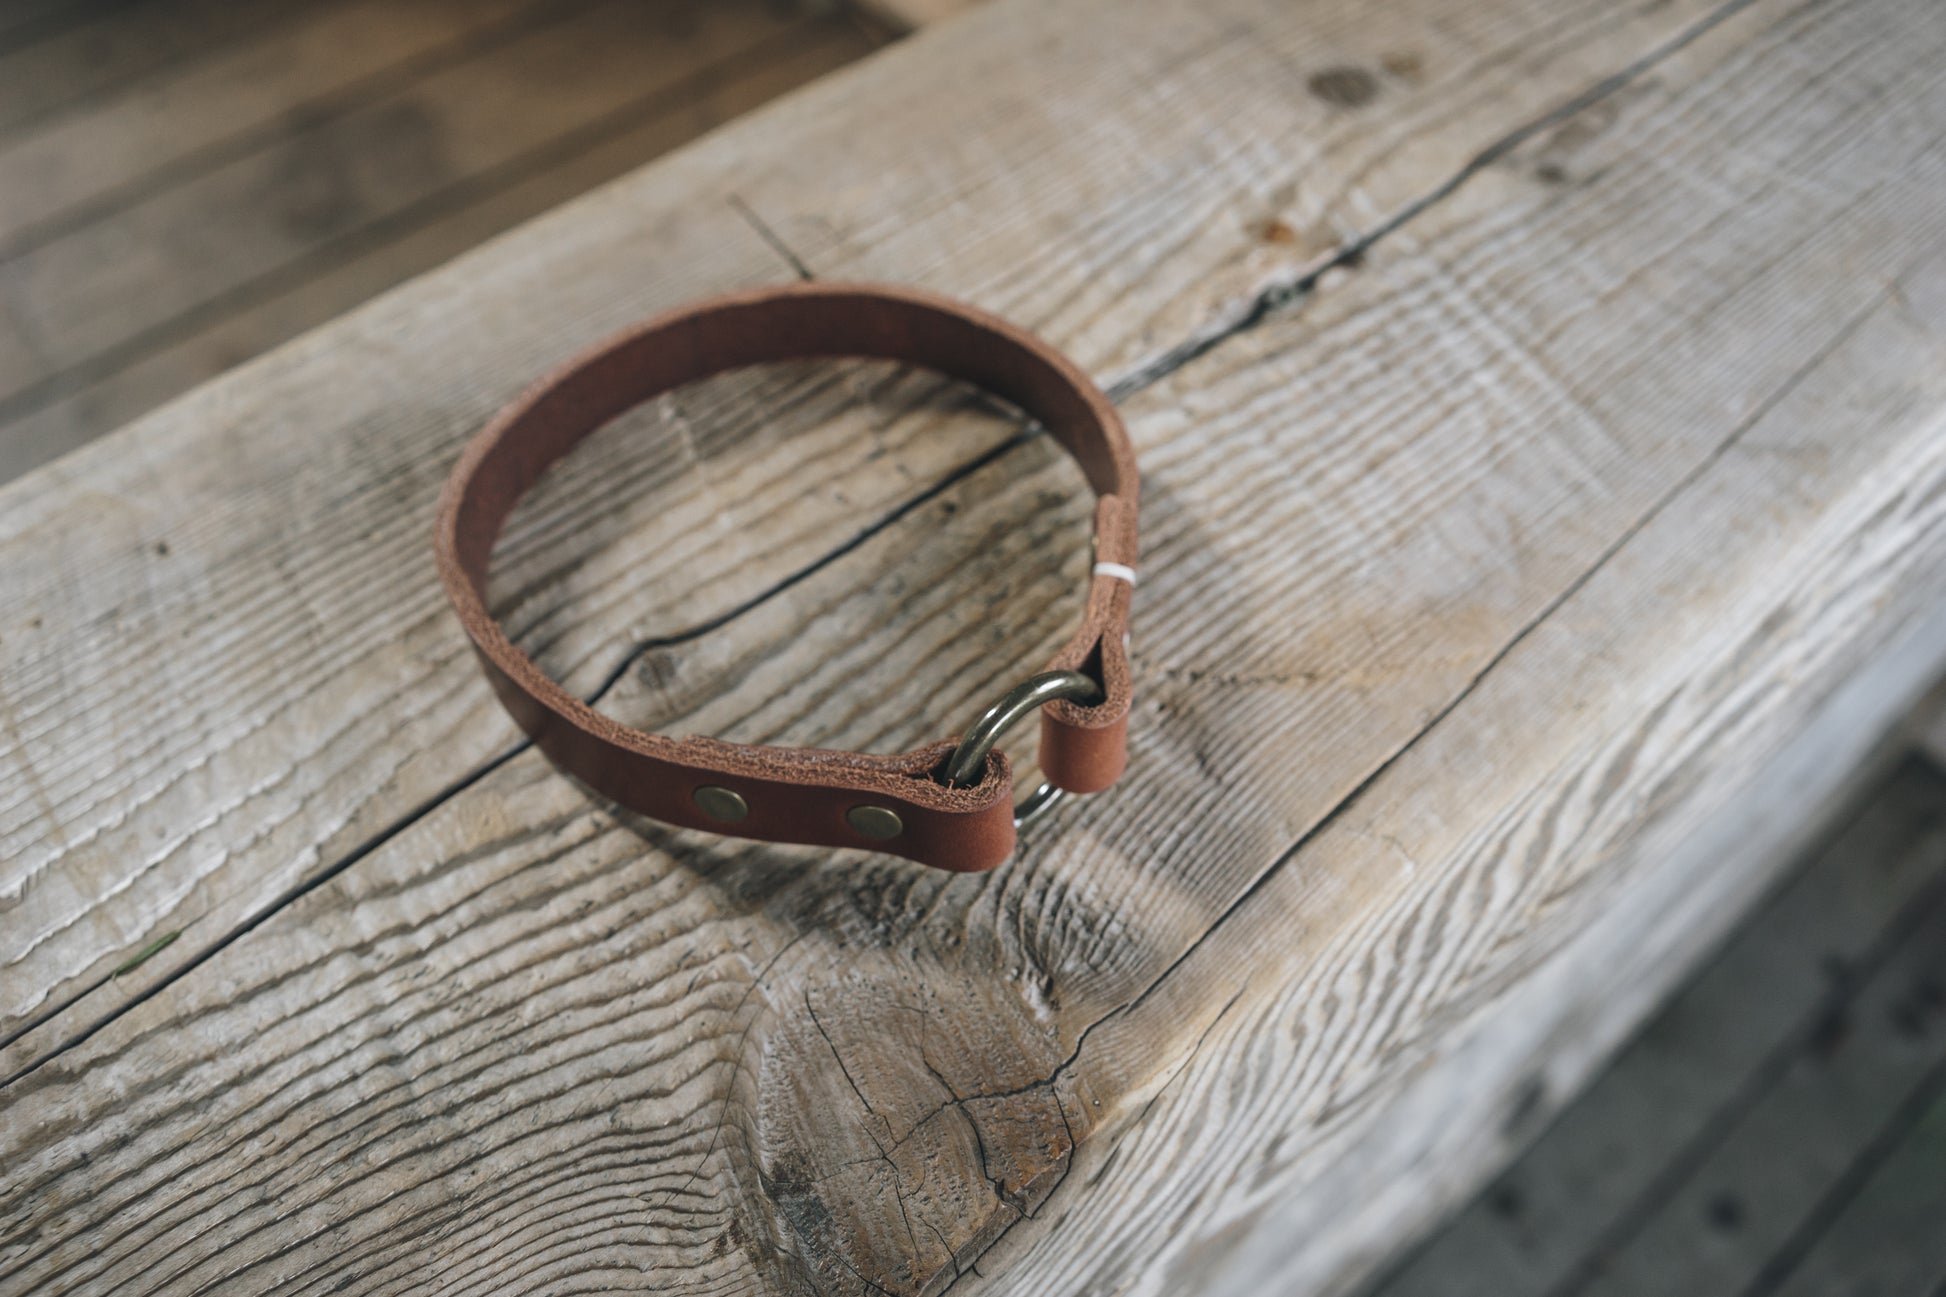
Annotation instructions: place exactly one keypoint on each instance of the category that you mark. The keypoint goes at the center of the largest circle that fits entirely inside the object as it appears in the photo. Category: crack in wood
(736, 1061)
(762, 229)
(1074, 1146)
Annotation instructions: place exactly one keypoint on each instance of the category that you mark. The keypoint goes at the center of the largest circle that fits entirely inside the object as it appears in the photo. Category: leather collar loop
(896, 803)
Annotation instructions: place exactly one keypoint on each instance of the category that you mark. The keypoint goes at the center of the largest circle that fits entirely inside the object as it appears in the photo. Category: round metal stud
(721, 804)
(875, 822)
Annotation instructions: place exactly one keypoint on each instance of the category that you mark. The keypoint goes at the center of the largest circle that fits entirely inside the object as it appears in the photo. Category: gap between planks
(1277, 299)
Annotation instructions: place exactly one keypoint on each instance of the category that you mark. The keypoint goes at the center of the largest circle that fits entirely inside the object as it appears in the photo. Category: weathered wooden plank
(243, 786)
(505, 1134)
(381, 256)
(1782, 987)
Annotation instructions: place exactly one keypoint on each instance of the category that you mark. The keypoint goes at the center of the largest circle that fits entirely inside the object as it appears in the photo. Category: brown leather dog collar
(904, 804)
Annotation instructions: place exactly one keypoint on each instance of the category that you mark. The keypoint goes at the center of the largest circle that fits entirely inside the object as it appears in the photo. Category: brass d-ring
(969, 759)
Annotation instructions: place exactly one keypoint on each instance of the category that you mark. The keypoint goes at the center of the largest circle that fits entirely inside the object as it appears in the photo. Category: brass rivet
(875, 822)
(721, 804)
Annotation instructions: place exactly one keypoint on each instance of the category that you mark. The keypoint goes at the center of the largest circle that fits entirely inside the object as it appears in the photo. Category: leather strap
(804, 795)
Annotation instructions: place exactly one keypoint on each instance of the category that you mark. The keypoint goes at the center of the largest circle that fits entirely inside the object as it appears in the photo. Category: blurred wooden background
(185, 183)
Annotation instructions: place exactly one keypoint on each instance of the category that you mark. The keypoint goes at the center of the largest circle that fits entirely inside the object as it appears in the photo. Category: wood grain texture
(1464, 609)
(154, 839)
